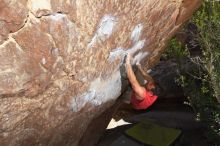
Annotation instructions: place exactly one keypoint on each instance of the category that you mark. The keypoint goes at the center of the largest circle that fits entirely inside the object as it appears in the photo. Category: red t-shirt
(145, 103)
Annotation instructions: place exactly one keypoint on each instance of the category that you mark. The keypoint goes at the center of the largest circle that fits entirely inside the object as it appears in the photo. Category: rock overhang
(60, 60)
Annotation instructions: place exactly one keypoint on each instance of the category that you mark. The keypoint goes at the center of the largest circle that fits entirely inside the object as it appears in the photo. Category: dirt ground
(170, 113)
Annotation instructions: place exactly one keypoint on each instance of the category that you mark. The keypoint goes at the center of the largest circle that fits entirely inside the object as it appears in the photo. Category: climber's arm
(150, 81)
(138, 89)
(144, 74)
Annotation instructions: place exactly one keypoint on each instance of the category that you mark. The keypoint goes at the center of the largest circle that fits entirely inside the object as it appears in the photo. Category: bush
(202, 86)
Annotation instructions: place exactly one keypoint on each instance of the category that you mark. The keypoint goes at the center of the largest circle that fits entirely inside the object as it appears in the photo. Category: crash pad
(153, 134)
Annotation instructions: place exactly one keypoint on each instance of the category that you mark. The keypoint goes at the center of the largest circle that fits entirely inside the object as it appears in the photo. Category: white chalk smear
(116, 53)
(43, 61)
(121, 52)
(57, 16)
(104, 30)
(136, 33)
(140, 56)
(137, 47)
(99, 92)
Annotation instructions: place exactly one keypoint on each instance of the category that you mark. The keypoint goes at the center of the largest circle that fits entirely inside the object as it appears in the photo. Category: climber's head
(150, 85)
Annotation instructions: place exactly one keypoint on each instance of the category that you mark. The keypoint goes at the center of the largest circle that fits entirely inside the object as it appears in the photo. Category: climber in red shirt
(141, 97)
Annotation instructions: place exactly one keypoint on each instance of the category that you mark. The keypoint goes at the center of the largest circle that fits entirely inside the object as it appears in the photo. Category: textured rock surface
(60, 61)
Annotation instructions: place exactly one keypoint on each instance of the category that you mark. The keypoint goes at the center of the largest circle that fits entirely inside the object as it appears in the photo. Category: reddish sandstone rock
(12, 17)
(60, 62)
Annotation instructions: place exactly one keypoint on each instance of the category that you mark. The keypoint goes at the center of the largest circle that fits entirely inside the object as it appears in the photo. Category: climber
(142, 97)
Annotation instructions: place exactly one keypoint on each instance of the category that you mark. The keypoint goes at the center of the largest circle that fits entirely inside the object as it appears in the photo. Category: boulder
(60, 61)
(166, 73)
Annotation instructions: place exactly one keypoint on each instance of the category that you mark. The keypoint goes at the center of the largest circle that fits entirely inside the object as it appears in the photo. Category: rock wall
(60, 61)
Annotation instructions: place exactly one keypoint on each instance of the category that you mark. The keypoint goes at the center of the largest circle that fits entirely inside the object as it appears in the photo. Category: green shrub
(202, 85)
(176, 50)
